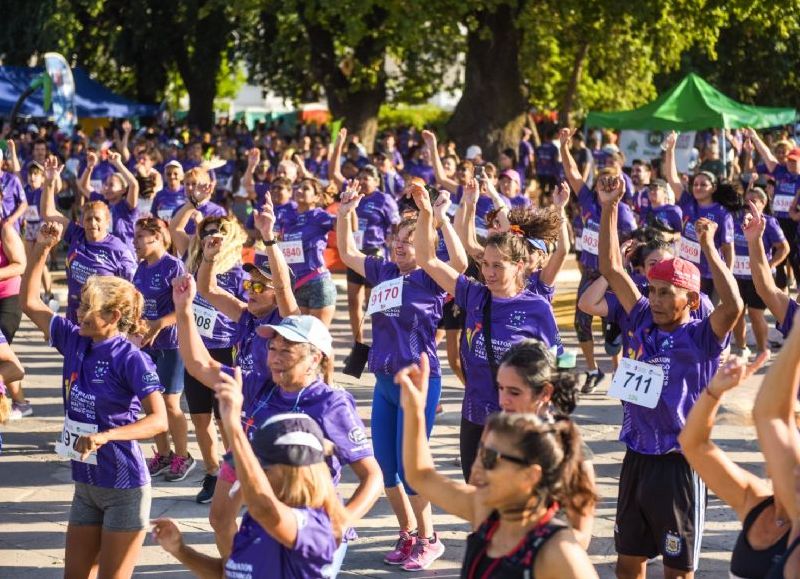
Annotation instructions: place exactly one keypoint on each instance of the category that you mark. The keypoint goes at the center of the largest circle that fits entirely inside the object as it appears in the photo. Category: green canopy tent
(693, 105)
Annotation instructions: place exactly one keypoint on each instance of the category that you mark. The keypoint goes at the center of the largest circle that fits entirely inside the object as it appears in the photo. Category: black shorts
(453, 317)
(10, 317)
(199, 397)
(660, 509)
(356, 278)
(747, 289)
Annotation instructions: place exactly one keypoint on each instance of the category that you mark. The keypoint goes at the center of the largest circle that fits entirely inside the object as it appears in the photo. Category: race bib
(386, 295)
(782, 203)
(741, 265)
(292, 251)
(358, 236)
(96, 185)
(72, 431)
(32, 213)
(690, 250)
(590, 241)
(204, 319)
(164, 214)
(637, 382)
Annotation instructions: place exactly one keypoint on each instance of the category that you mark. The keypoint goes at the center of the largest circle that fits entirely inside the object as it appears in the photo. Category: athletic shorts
(453, 317)
(169, 367)
(113, 509)
(356, 278)
(200, 398)
(660, 509)
(317, 293)
(10, 317)
(747, 290)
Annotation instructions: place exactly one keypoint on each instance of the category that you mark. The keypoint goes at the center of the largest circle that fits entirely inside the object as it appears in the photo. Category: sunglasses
(490, 456)
(255, 287)
(208, 232)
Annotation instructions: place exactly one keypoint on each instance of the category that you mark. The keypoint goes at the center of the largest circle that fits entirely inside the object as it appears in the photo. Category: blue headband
(537, 243)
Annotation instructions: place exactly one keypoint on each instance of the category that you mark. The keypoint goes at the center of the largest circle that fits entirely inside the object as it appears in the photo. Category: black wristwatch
(271, 242)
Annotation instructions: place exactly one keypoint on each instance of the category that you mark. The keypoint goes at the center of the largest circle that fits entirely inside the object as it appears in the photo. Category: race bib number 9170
(385, 296)
(72, 431)
(637, 382)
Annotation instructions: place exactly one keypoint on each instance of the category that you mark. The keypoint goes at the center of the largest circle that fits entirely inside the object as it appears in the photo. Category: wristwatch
(271, 242)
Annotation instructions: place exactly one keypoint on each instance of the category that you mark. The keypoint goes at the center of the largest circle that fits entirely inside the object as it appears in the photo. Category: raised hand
(421, 197)
(203, 192)
(471, 192)
(753, 224)
(127, 127)
(91, 160)
(561, 195)
(51, 168)
(705, 229)
(350, 198)
(610, 189)
(265, 220)
(413, 382)
(212, 245)
(183, 291)
(340, 138)
(115, 158)
(430, 139)
(669, 141)
(253, 157)
(565, 137)
(441, 206)
(49, 234)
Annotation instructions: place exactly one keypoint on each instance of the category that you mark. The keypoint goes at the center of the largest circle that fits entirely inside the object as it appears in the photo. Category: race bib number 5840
(638, 383)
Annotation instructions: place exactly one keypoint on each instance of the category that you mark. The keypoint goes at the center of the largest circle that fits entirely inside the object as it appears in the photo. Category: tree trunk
(201, 101)
(492, 108)
(572, 87)
(360, 112)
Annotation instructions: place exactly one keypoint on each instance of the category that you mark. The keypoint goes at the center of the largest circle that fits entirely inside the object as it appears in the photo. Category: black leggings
(200, 398)
(469, 439)
(10, 316)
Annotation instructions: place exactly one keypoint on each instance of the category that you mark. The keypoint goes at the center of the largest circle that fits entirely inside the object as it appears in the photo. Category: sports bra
(749, 563)
(776, 572)
(516, 565)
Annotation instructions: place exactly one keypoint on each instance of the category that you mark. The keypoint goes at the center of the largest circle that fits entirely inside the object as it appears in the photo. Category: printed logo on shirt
(673, 544)
(357, 435)
(151, 379)
(101, 369)
(516, 320)
(471, 333)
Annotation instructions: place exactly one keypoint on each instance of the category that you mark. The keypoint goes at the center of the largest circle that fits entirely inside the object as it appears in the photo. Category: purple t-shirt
(787, 185)
(400, 335)
(207, 209)
(520, 201)
(109, 256)
(376, 214)
(546, 157)
(283, 214)
(689, 357)
(251, 354)
(311, 228)
(422, 171)
(333, 408)
(692, 211)
(257, 555)
(13, 194)
(590, 219)
(155, 284)
(669, 216)
(123, 221)
(318, 168)
(788, 320)
(772, 234)
(166, 203)
(537, 286)
(32, 218)
(526, 315)
(223, 328)
(103, 383)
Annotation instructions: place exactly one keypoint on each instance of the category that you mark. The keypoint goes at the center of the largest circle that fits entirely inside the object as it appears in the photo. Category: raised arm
(455, 498)
(441, 178)
(121, 144)
(335, 165)
(13, 159)
(593, 300)
(464, 221)
(30, 293)
(281, 279)
(775, 422)
(557, 258)
(753, 228)
(571, 170)
(223, 301)
(84, 181)
(458, 256)
(132, 196)
(348, 251)
(730, 307)
(738, 488)
(763, 150)
(425, 241)
(253, 158)
(47, 202)
(177, 226)
(670, 168)
(196, 359)
(609, 192)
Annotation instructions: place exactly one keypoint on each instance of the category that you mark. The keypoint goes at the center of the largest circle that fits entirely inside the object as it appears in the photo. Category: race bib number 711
(637, 382)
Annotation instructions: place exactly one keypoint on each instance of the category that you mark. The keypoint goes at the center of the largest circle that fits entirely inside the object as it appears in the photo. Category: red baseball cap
(678, 272)
(794, 154)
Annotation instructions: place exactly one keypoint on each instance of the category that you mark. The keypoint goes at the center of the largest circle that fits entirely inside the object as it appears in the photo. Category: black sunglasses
(208, 232)
(490, 456)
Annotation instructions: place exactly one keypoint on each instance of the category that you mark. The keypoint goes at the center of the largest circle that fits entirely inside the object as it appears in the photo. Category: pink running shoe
(402, 549)
(158, 464)
(179, 467)
(425, 552)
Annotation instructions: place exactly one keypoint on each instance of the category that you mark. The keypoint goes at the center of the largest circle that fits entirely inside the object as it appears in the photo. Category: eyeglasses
(490, 456)
(208, 232)
(255, 287)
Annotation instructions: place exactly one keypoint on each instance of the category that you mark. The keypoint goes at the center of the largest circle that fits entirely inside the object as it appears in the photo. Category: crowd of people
(199, 264)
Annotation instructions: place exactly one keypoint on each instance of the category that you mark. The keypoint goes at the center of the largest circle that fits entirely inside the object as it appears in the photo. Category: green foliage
(419, 116)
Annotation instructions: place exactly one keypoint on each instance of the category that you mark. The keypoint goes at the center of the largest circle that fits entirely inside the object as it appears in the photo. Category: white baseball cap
(303, 329)
(473, 151)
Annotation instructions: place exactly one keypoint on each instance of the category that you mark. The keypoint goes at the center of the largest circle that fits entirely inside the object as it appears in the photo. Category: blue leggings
(387, 426)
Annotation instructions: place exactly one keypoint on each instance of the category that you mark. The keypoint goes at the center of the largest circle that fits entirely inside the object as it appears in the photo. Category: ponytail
(577, 489)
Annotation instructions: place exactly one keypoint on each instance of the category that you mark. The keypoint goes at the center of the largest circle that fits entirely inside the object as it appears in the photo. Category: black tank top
(778, 568)
(516, 565)
(749, 563)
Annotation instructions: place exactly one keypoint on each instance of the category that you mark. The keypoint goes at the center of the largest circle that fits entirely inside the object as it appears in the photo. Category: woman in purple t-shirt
(107, 383)
(294, 519)
(498, 314)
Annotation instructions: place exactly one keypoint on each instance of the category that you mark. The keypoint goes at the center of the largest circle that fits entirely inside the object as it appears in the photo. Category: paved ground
(36, 489)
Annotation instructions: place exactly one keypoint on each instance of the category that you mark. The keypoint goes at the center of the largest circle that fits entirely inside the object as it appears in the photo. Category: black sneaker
(207, 492)
(592, 381)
